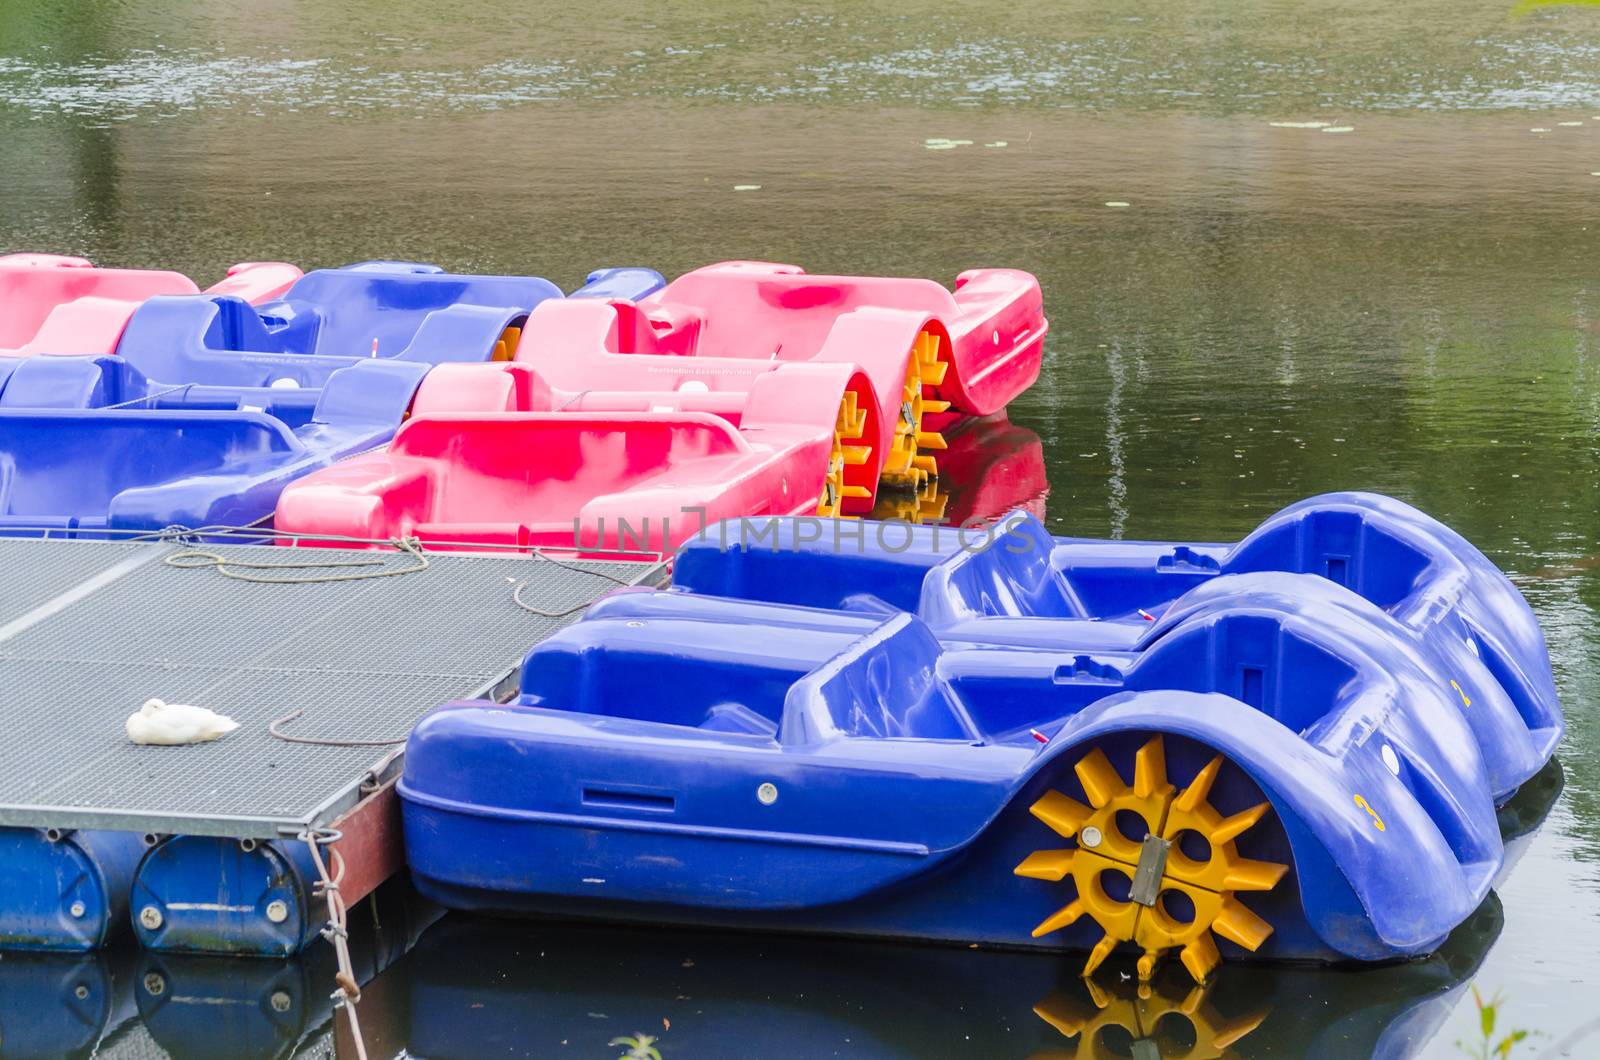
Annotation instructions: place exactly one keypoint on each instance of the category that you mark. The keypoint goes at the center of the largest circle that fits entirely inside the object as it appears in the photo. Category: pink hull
(55, 304)
(626, 426)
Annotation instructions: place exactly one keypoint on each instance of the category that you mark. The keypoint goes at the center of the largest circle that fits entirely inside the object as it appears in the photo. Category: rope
(320, 742)
(253, 532)
(516, 595)
(579, 396)
(196, 559)
(147, 397)
(336, 931)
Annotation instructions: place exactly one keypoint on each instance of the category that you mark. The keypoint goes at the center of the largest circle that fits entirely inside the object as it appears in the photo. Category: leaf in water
(1299, 124)
(1118, 205)
(1510, 1040)
(747, 187)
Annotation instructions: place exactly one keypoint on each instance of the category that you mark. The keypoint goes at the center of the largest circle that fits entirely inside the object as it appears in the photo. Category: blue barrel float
(1288, 748)
(203, 894)
(65, 889)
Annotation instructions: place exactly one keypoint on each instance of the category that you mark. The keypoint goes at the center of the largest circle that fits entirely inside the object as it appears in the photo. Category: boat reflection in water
(1522, 815)
(990, 467)
(473, 988)
(481, 988)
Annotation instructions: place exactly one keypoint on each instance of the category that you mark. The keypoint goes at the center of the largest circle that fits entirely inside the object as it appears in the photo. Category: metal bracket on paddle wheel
(1146, 885)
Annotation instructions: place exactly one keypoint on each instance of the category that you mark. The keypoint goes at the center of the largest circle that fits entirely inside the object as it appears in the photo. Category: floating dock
(206, 837)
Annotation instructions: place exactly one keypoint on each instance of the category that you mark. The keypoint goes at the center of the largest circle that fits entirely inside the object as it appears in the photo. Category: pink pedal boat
(55, 304)
(742, 388)
(593, 482)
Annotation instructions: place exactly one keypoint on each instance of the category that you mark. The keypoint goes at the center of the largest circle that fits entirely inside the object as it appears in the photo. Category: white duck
(176, 723)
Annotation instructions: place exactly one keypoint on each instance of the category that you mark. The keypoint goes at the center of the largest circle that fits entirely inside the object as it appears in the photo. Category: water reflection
(474, 988)
(469, 987)
(1521, 817)
(126, 1002)
(62, 1005)
(480, 988)
(990, 467)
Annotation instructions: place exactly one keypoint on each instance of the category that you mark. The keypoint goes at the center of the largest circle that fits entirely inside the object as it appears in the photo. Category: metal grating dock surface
(90, 630)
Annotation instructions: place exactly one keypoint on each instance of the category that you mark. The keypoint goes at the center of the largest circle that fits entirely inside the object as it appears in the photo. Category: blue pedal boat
(211, 405)
(1297, 755)
(83, 472)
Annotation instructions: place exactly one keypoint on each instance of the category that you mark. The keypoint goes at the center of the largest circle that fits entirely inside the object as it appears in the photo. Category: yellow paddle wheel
(505, 347)
(847, 452)
(924, 505)
(1183, 877)
(909, 465)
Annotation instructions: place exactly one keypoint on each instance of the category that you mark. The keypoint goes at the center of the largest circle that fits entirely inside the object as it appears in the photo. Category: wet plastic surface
(707, 758)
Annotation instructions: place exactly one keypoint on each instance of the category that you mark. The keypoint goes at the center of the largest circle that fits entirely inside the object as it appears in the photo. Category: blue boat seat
(1027, 589)
(381, 310)
(86, 470)
(592, 667)
(1011, 577)
(85, 382)
(884, 686)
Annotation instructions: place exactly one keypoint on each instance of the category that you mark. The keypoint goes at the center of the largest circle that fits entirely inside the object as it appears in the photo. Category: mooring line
(197, 559)
(336, 931)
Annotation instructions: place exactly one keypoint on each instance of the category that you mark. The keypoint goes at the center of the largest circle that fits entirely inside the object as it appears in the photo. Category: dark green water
(1407, 306)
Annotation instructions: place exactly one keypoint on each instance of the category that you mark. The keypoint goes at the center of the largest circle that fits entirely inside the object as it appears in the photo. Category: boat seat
(1012, 577)
(1350, 548)
(698, 675)
(51, 304)
(886, 685)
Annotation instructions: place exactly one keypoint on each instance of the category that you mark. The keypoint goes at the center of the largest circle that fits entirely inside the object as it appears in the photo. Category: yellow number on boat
(1377, 822)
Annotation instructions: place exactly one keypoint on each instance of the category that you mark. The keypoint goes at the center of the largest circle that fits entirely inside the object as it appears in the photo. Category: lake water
(1401, 298)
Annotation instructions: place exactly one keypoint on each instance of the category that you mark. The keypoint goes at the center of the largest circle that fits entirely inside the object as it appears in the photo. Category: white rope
(254, 532)
(147, 397)
(196, 559)
(336, 931)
